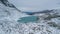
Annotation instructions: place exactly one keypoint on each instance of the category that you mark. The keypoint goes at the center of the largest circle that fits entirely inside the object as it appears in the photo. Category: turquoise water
(28, 19)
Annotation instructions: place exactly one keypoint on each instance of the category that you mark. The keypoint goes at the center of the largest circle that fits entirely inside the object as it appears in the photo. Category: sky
(35, 5)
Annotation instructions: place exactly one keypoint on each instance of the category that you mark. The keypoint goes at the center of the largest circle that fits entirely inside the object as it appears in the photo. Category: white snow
(9, 24)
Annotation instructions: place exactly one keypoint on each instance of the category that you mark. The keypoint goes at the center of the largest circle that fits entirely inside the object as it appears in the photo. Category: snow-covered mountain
(48, 23)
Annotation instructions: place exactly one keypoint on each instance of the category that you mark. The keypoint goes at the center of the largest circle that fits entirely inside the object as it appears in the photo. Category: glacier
(48, 23)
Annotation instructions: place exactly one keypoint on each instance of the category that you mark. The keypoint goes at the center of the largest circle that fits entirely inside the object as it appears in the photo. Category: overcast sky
(35, 5)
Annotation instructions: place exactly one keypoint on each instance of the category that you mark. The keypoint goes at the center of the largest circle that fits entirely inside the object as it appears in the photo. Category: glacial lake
(28, 19)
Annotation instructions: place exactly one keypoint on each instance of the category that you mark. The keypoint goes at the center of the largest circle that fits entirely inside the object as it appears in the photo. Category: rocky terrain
(48, 23)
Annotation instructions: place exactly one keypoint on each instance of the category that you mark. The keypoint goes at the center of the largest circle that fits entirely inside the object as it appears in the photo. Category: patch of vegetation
(53, 24)
(51, 16)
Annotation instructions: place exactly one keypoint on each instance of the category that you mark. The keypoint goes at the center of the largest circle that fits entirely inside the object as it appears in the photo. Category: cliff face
(48, 23)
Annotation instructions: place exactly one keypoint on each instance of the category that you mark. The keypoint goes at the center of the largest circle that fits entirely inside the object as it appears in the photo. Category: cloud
(35, 4)
(27, 9)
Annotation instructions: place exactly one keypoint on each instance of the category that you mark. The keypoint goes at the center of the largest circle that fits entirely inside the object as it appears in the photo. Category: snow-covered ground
(48, 23)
